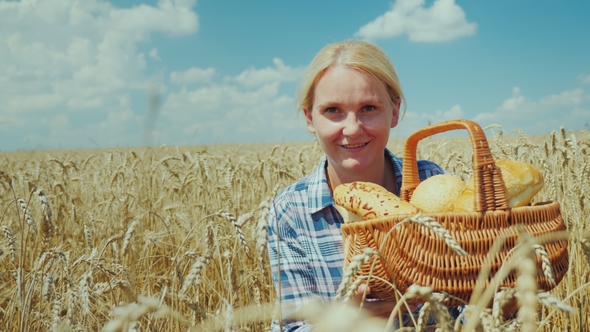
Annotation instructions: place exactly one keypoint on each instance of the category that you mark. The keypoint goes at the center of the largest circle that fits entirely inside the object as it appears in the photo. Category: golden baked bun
(438, 193)
(465, 202)
(523, 181)
(369, 201)
(347, 215)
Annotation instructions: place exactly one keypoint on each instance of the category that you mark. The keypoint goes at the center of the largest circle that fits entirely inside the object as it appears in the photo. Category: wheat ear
(526, 286)
(128, 235)
(27, 212)
(46, 226)
(354, 265)
(585, 244)
(545, 264)
(551, 301)
(440, 231)
(194, 276)
(422, 315)
(210, 242)
(501, 298)
(237, 224)
(261, 229)
(11, 242)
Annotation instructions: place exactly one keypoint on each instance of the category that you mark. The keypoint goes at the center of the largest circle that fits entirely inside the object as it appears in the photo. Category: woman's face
(351, 118)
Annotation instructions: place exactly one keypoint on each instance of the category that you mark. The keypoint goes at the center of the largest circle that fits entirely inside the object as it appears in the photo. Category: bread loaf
(522, 181)
(370, 201)
(438, 193)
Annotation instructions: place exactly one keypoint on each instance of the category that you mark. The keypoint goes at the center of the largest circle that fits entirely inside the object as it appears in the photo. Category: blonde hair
(356, 54)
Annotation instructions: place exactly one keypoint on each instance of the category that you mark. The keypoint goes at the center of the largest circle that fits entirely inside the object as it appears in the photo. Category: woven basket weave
(415, 255)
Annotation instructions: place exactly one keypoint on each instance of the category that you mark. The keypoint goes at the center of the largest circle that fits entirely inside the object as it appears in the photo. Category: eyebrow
(329, 103)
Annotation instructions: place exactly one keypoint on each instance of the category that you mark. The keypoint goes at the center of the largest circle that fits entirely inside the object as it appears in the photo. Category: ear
(308, 120)
(395, 117)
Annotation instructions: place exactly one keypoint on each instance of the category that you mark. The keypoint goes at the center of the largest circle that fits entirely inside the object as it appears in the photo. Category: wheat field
(174, 238)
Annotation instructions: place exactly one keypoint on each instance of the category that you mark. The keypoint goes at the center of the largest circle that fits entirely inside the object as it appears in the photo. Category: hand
(510, 309)
(378, 307)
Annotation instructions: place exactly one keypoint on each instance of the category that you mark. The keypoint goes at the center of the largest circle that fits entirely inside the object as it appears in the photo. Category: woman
(351, 98)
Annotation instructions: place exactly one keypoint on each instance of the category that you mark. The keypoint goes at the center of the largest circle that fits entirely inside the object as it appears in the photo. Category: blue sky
(80, 74)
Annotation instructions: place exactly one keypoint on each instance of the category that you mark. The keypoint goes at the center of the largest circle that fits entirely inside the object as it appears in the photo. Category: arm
(289, 263)
(427, 169)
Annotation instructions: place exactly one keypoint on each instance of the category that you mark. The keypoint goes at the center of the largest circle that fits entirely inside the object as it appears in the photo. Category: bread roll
(347, 215)
(522, 180)
(465, 202)
(438, 193)
(370, 201)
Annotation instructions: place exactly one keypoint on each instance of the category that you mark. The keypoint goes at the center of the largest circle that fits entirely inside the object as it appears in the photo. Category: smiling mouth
(354, 146)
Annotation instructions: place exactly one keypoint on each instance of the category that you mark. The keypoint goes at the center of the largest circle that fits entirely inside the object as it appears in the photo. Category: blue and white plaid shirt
(310, 242)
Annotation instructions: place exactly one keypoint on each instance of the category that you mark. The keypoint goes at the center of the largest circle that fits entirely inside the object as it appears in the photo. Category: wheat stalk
(55, 311)
(194, 276)
(355, 264)
(545, 264)
(526, 290)
(501, 298)
(439, 230)
(422, 314)
(27, 214)
(83, 290)
(551, 301)
(11, 242)
(237, 224)
(128, 314)
(88, 237)
(47, 228)
(585, 244)
(262, 229)
(48, 287)
(210, 241)
(128, 234)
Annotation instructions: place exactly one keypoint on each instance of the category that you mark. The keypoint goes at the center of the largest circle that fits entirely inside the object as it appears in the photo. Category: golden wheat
(134, 239)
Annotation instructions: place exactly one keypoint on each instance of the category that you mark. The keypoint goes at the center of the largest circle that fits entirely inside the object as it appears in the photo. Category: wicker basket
(415, 254)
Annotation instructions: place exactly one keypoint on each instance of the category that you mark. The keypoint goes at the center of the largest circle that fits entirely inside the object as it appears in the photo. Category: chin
(355, 165)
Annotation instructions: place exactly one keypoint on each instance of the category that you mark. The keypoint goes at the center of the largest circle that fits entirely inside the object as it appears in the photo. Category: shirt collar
(320, 195)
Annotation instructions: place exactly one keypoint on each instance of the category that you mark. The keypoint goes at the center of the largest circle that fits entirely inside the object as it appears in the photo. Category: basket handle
(490, 192)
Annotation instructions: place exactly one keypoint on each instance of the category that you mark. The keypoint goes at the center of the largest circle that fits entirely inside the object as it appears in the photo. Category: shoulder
(427, 168)
(424, 166)
(302, 189)
(292, 202)
(297, 189)
(430, 166)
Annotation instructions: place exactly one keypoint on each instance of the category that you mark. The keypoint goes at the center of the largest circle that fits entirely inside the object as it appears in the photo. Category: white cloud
(257, 77)
(568, 109)
(442, 21)
(154, 54)
(72, 57)
(192, 75)
(230, 112)
(585, 79)
(59, 122)
(455, 112)
(524, 107)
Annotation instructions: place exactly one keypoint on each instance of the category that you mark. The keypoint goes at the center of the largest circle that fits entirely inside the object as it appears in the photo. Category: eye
(330, 110)
(369, 108)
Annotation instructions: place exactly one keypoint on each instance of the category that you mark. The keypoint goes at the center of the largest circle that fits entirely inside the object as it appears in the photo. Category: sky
(128, 73)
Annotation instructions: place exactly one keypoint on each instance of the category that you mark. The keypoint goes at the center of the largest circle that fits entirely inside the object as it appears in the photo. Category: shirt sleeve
(289, 261)
(427, 169)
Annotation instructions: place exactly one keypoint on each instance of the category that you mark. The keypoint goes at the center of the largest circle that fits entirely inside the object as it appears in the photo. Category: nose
(352, 125)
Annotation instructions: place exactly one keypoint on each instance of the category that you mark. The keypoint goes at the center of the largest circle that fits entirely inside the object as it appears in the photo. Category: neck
(382, 175)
